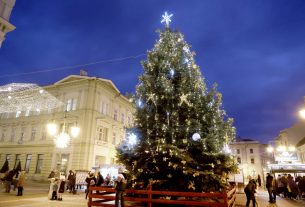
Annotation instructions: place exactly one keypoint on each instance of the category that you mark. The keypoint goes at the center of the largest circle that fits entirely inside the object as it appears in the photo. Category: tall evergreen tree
(180, 125)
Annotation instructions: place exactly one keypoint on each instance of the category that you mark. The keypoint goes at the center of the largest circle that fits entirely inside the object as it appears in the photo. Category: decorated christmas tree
(181, 132)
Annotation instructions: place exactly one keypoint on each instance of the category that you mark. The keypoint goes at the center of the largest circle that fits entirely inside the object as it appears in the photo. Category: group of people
(284, 185)
(58, 182)
(119, 184)
(14, 179)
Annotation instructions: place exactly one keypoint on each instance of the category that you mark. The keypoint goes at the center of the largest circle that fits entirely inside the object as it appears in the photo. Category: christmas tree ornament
(166, 18)
(196, 137)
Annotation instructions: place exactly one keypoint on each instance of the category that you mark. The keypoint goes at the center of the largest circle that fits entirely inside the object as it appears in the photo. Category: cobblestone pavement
(35, 194)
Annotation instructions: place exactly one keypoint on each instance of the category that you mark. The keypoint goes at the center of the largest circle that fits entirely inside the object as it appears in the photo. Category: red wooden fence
(106, 196)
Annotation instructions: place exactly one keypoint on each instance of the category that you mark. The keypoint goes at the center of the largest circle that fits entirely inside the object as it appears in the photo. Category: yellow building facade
(93, 104)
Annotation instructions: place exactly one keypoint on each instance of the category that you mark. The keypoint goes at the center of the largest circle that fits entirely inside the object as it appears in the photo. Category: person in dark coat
(269, 180)
(259, 180)
(9, 180)
(91, 181)
(99, 180)
(250, 192)
(71, 181)
(120, 186)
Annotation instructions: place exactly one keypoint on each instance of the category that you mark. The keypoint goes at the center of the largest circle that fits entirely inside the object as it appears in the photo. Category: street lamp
(302, 113)
(62, 139)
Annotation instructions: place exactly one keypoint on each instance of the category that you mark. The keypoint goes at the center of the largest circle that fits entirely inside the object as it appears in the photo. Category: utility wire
(74, 66)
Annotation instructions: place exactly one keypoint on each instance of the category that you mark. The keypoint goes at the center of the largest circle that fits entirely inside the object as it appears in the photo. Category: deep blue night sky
(253, 50)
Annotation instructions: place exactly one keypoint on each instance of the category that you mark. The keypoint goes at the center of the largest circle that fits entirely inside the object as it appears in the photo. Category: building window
(104, 108)
(115, 115)
(3, 135)
(39, 163)
(238, 151)
(17, 160)
(18, 114)
(27, 113)
(33, 133)
(123, 118)
(103, 134)
(63, 162)
(114, 138)
(251, 151)
(252, 161)
(71, 104)
(28, 162)
(43, 134)
(13, 134)
(8, 157)
(238, 160)
(22, 133)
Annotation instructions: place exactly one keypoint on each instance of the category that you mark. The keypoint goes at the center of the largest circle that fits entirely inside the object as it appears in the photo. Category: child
(61, 189)
(55, 188)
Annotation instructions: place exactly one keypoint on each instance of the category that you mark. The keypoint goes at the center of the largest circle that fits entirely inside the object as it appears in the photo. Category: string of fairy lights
(26, 97)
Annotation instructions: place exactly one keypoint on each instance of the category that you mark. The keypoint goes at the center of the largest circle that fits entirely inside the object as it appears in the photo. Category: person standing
(250, 192)
(61, 188)
(274, 189)
(20, 183)
(99, 180)
(259, 180)
(269, 180)
(91, 181)
(120, 186)
(9, 180)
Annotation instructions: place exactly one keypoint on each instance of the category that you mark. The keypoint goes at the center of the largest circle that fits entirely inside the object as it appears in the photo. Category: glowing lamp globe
(196, 137)
(302, 113)
(74, 131)
(52, 129)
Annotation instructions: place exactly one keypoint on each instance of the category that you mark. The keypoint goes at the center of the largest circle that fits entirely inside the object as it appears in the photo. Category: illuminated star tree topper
(166, 18)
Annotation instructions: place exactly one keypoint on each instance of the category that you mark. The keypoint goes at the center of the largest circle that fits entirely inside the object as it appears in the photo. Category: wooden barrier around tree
(148, 197)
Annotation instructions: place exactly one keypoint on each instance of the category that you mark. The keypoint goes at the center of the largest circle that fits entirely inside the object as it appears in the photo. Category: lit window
(39, 163)
(71, 104)
(27, 113)
(103, 134)
(18, 114)
(104, 108)
(28, 162)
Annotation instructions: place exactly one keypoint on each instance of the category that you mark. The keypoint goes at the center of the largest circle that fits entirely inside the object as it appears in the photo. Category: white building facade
(251, 157)
(6, 7)
(93, 104)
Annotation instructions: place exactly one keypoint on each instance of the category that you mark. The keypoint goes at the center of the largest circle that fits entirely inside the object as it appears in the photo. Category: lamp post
(62, 134)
